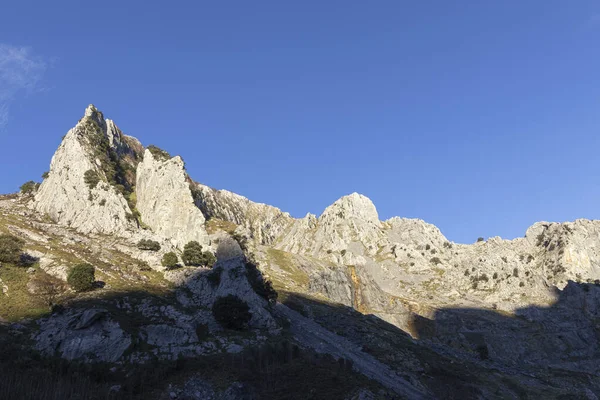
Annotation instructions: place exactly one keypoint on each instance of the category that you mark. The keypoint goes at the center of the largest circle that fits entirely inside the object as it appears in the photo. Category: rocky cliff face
(165, 201)
(263, 222)
(65, 196)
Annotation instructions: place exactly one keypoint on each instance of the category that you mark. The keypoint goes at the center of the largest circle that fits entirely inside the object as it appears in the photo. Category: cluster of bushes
(194, 256)
(147, 244)
(479, 278)
(81, 277)
(231, 312)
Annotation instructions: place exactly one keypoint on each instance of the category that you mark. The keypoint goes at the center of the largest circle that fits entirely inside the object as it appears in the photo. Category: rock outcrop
(264, 223)
(165, 201)
(64, 194)
(89, 335)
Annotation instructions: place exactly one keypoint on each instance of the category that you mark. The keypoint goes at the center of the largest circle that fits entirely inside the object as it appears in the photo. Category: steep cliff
(165, 201)
(95, 204)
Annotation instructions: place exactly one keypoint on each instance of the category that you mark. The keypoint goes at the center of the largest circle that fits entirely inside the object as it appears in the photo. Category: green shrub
(435, 260)
(170, 260)
(194, 256)
(91, 178)
(209, 259)
(192, 253)
(81, 277)
(27, 260)
(147, 244)
(11, 248)
(45, 175)
(29, 187)
(480, 239)
(231, 312)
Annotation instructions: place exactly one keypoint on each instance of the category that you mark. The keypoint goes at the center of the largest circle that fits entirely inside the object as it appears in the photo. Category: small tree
(29, 187)
(45, 175)
(11, 248)
(170, 261)
(480, 239)
(81, 277)
(147, 244)
(231, 312)
(192, 253)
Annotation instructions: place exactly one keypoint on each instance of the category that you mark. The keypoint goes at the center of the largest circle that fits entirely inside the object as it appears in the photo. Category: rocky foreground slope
(407, 313)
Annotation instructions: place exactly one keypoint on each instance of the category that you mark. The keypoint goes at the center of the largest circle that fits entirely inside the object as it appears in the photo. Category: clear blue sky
(481, 117)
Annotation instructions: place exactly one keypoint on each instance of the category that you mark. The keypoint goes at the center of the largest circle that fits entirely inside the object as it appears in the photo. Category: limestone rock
(88, 335)
(232, 280)
(64, 195)
(265, 223)
(165, 201)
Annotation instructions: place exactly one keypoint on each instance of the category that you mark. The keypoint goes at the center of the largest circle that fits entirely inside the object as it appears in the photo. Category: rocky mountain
(366, 308)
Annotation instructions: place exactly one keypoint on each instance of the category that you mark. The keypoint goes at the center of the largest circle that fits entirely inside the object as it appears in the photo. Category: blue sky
(480, 117)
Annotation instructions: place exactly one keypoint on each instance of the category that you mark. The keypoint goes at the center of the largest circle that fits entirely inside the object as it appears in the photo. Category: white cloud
(20, 74)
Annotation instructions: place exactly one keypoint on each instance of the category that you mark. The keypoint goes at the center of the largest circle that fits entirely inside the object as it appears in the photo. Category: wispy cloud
(20, 74)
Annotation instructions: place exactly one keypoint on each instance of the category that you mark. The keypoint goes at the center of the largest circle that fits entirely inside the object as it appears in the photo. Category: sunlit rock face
(165, 201)
(65, 196)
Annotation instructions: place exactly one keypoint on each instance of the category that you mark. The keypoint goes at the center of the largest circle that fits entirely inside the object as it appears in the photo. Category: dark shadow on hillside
(460, 354)
(273, 369)
(542, 352)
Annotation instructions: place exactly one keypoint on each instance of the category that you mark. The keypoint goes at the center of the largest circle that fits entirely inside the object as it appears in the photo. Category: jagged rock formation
(264, 223)
(165, 201)
(64, 195)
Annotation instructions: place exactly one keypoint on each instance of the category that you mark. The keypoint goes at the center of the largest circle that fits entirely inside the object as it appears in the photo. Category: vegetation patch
(158, 153)
(29, 188)
(170, 261)
(214, 225)
(194, 256)
(91, 178)
(147, 244)
(11, 248)
(285, 261)
(81, 277)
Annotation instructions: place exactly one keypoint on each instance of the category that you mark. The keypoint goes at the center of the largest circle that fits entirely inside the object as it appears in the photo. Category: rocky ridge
(404, 271)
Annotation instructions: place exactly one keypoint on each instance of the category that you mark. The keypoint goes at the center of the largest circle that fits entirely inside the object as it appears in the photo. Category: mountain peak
(95, 115)
(354, 205)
